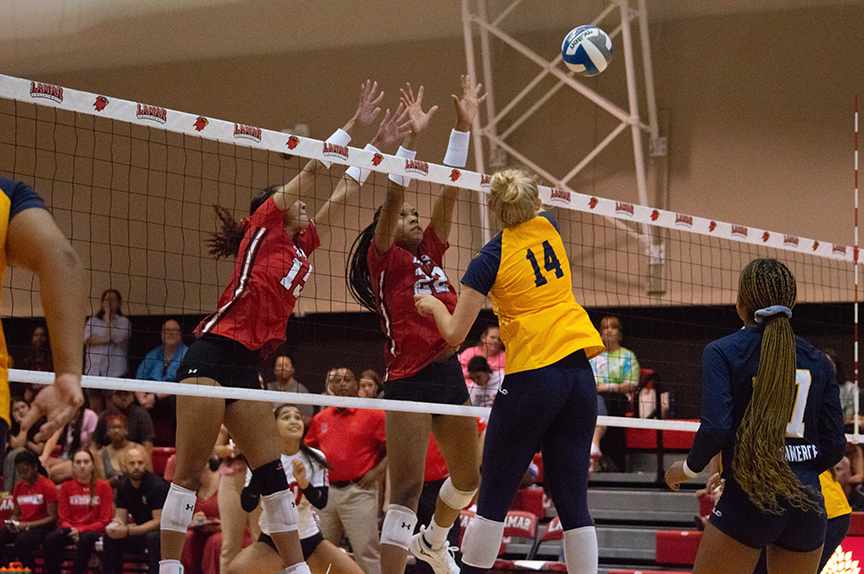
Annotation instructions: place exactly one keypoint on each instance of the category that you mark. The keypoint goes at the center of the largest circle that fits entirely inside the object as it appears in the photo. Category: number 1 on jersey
(795, 428)
(550, 263)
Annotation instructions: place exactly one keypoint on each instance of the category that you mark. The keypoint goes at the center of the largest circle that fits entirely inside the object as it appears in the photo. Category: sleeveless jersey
(16, 197)
(307, 519)
(268, 276)
(814, 435)
(412, 341)
(525, 272)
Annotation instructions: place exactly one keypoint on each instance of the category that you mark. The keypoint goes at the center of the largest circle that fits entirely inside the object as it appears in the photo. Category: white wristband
(689, 472)
(357, 174)
(457, 150)
(339, 137)
(402, 180)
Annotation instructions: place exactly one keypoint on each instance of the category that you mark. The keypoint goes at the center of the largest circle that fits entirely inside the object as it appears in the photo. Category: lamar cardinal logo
(712, 226)
(292, 142)
(593, 203)
(415, 166)
(49, 91)
(790, 240)
(485, 180)
(655, 215)
(765, 236)
(739, 230)
(838, 249)
(815, 245)
(683, 220)
(560, 194)
(377, 159)
(100, 103)
(335, 150)
(455, 174)
(200, 123)
(624, 208)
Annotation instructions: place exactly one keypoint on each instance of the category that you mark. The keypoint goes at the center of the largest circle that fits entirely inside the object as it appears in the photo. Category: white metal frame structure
(479, 21)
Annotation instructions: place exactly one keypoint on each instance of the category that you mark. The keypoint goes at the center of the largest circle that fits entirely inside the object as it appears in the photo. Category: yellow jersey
(525, 271)
(835, 499)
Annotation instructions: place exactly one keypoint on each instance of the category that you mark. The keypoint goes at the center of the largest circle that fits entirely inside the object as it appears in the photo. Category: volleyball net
(132, 185)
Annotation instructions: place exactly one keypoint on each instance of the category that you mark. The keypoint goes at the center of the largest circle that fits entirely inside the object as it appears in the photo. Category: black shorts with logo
(438, 382)
(224, 360)
(308, 545)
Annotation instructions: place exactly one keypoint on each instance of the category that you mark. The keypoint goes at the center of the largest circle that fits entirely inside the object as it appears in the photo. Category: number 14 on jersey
(550, 263)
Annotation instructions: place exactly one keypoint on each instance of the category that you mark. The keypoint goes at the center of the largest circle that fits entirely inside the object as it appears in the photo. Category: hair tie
(771, 311)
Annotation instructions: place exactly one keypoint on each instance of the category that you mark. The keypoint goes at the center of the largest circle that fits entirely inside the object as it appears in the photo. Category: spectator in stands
(141, 494)
(283, 380)
(485, 382)
(235, 521)
(856, 462)
(106, 344)
(371, 386)
(616, 372)
(198, 555)
(848, 389)
(491, 348)
(34, 514)
(111, 459)
(353, 441)
(85, 509)
(37, 357)
(70, 438)
(138, 422)
(853, 494)
(161, 364)
(645, 398)
(19, 441)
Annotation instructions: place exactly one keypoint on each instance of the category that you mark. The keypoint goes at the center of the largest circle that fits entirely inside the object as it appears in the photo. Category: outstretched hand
(418, 119)
(58, 403)
(367, 108)
(393, 128)
(468, 105)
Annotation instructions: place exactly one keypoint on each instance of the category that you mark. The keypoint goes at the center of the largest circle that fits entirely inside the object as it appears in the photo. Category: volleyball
(587, 50)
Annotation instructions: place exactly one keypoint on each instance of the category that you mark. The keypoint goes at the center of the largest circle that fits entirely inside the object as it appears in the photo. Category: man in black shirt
(141, 495)
(137, 420)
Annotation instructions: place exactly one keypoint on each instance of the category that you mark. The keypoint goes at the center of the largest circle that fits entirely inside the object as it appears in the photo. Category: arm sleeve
(21, 196)
(715, 428)
(316, 495)
(832, 440)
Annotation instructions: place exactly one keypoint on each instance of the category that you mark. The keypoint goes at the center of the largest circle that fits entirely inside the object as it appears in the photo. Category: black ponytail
(357, 276)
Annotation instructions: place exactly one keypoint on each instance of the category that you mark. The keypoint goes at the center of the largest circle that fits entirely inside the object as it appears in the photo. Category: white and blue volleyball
(587, 50)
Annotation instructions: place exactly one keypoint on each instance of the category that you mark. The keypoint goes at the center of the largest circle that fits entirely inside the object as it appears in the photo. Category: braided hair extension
(357, 276)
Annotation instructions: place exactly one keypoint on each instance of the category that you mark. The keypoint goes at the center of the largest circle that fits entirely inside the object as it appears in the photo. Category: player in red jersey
(394, 259)
(271, 249)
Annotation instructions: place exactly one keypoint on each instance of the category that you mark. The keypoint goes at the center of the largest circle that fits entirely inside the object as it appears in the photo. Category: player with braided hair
(271, 248)
(771, 407)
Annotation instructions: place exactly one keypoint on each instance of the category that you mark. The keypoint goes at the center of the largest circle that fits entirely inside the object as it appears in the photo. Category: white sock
(299, 568)
(170, 567)
(436, 535)
(580, 550)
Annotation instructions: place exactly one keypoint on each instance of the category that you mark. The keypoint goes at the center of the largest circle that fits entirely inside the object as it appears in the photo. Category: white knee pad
(398, 527)
(580, 550)
(178, 509)
(453, 497)
(481, 542)
(279, 512)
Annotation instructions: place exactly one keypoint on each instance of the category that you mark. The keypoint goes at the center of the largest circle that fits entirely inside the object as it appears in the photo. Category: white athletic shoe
(442, 560)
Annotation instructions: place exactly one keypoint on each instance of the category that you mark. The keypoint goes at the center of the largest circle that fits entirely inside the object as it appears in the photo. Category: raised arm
(393, 128)
(466, 110)
(391, 211)
(304, 184)
(35, 243)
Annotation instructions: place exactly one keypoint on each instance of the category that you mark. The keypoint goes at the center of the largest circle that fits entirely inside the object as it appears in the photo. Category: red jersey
(77, 510)
(269, 274)
(33, 500)
(436, 468)
(412, 341)
(352, 440)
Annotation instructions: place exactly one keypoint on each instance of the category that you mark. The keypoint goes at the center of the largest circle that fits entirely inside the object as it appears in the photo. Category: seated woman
(85, 509)
(307, 477)
(203, 538)
(70, 438)
(19, 441)
(110, 459)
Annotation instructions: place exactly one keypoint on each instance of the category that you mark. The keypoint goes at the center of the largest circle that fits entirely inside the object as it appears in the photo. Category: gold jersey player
(32, 240)
(548, 399)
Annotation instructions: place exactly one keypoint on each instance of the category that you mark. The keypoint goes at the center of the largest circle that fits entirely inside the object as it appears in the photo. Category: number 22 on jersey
(550, 263)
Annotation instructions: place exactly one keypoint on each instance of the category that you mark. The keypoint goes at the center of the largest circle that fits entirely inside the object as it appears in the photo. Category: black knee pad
(270, 477)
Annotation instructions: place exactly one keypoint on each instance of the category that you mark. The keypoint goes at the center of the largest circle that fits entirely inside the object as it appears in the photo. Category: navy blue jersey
(814, 435)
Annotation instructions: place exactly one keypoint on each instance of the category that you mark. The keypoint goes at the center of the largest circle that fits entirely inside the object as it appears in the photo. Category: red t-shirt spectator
(412, 341)
(351, 439)
(33, 500)
(77, 510)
